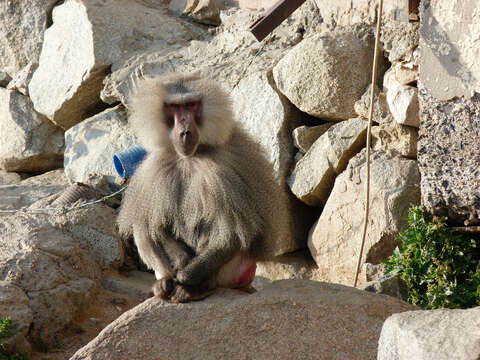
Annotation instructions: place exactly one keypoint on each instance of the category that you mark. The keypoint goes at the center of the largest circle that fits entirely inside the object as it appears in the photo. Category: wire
(369, 131)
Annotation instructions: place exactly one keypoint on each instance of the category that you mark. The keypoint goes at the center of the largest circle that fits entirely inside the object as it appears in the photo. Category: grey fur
(194, 214)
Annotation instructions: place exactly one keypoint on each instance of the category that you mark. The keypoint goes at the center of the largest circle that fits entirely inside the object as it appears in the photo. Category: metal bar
(274, 17)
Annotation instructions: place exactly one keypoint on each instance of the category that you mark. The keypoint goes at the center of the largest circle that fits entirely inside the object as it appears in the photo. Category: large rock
(90, 145)
(282, 321)
(92, 225)
(431, 335)
(230, 56)
(21, 32)
(322, 78)
(313, 176)
(269, 118)
(20, 194)
(448, 149)
(79, 49)
(336, 237)
(58, 277)
(448, 144)
(14, 304)
(448, 48)
(33, 143)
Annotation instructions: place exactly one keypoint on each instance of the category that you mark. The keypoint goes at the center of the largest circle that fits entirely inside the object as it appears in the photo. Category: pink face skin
(183, 119)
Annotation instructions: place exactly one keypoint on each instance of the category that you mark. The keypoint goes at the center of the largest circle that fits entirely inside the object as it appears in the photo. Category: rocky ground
(66, 72)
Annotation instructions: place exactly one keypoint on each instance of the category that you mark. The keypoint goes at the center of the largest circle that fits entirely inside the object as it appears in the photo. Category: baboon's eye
(168, 110)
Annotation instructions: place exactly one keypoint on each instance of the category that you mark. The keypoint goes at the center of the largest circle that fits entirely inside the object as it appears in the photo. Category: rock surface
(403, 104)
(233, 325)
(33, 143)
(20, 194)
(79, 49)
(400, 39)
(448, 159)
(390, 285)
(336, 237)
(22, 78)
(342, 13)
(448, 145)
(305, 136)
(90, 145)
(58, 277)
(230, 56)
(400, 74)
(4, 79)
(204, 11)
(92, 226)
(395, 138)
(7, 178)
(434, 334)
(296, 265)
(448, 49)
(14, 303)
(21, 32)
(313, 176)
(320, 76)
(381, 112)
(269, 118)
(137, 284)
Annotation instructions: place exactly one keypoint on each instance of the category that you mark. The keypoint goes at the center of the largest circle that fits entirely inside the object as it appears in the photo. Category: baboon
(204, 205)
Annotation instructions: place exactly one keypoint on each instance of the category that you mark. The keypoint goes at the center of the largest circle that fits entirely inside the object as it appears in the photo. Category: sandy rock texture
(288, 319)
(34, 143)
(322, 78)
(435, 334)
(336, 237)
(79, 49)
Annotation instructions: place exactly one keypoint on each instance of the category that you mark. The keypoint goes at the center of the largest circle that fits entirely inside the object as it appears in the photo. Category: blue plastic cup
(127, 161)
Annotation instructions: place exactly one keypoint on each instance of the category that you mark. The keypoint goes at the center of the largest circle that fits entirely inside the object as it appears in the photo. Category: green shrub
(441, 268)
(7, 330)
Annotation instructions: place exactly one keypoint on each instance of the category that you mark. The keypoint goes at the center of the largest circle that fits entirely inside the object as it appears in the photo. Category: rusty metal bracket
(274, 17)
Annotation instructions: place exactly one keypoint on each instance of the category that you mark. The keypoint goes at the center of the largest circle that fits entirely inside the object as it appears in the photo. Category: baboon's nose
(185, 133)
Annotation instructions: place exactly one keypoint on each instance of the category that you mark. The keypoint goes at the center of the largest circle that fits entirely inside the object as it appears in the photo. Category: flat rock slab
(431, 335)
(294, 319)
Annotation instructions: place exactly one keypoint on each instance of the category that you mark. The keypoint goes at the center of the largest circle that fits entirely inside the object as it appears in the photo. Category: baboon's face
(183, 117)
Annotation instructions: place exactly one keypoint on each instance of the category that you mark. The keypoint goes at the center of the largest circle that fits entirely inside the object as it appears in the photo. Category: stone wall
(449, 76)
